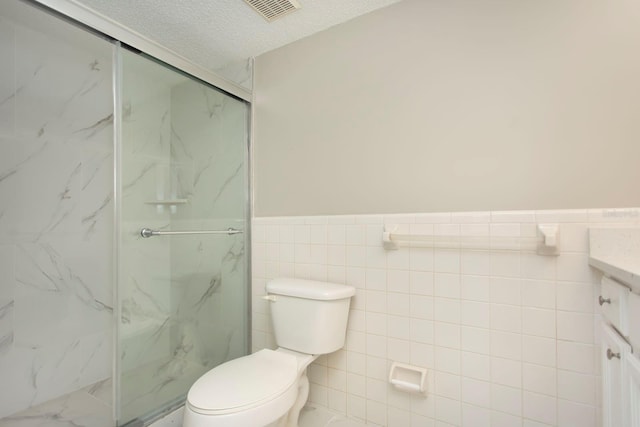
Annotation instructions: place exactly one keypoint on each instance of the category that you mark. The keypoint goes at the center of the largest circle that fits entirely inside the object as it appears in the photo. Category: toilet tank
(309, 316)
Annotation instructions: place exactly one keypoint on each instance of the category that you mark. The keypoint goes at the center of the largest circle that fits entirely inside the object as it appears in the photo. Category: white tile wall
(508, 337)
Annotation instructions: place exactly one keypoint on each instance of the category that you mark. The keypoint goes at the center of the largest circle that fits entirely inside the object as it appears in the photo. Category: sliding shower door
(183, 298)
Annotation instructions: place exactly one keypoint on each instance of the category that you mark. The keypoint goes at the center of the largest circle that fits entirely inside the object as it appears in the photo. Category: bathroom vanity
(616, 253)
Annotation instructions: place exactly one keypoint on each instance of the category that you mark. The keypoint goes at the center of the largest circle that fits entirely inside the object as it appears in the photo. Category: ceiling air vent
(273, 9)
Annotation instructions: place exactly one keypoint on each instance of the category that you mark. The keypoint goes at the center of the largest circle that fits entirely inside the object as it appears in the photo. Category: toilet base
(290, 419)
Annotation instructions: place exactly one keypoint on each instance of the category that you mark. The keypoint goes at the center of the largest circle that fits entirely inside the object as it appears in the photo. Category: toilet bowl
(269, 387)
(254, 390)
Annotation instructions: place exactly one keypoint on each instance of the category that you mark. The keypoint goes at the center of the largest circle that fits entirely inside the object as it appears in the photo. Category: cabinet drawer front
(634, 321)
(613, 304)
(633, 369)
(613, 353)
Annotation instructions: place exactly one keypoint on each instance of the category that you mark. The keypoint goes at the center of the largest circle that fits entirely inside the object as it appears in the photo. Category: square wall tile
(447, 335)
(473, 416)
(538, 267)
(475, 340)
(476, 263)
(446, 285)
(421, 259)
(398, 417)
(476, 392)
(423, 355)
(477, 314)
(400, 328)
(446, 261)
(539, 379)
(398, 304)
(475, 288)
(356, 407)
(376, 390)
(421, 283)
(399, 281)
(422, 331)
(506, 345)
(577, 357)
(447, 360)
(502, 419)
(574, 268)
(376, 413)
(506, 291)
(539, 322)
(506, 399)
(398, 260)
(539, 350)
(422, 307)
(446, 310)
(337, 379)
(571, 414)
(539, 294)
(579, 297)
(337, 401)
(575, 237)
(336, 234)
(577, 387)
(506, 318)
(447, 385)
(475, 366)
(539, 408)
(505, 264)
(399, 350)
(576, 327)
(506, 372)
(448, 410)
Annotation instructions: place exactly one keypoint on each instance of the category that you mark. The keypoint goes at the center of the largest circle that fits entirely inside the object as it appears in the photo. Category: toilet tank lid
(309, 289)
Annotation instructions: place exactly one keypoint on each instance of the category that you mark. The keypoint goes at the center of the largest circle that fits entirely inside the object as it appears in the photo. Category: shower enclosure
(100, 326)
(182, 298)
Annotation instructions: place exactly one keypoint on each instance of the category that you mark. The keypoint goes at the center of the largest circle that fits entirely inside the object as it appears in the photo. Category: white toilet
(268, 388)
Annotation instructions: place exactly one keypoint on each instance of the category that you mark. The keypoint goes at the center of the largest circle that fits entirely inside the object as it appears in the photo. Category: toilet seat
(244, 383)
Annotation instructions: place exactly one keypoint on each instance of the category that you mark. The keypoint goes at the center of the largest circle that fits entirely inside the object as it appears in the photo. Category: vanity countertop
(616, 252)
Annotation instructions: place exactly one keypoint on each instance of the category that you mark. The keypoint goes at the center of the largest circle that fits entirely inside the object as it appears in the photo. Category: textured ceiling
(216, 33)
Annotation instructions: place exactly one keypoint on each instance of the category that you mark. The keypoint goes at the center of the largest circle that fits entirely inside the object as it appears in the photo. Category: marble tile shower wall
(508, 338)
(56, 183)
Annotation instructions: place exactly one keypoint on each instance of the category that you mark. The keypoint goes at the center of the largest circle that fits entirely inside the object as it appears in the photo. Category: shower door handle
(147, 232)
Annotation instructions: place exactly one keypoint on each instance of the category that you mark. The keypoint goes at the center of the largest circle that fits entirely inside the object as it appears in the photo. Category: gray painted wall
(451, 106)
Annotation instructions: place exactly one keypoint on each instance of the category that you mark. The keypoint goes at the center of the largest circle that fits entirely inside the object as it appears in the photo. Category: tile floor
(312, 416)
(85, 408)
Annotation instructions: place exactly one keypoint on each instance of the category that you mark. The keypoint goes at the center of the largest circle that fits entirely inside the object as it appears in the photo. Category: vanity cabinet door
(613, 304)
(633, 371)
(615, 395)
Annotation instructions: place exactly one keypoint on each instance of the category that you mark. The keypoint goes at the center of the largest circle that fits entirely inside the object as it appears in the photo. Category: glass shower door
(183, 299)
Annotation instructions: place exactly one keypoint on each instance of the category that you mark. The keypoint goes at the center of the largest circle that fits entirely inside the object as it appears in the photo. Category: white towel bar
(545, 243)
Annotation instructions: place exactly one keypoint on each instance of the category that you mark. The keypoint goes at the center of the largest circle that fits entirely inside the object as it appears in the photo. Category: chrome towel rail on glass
(147, 232)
